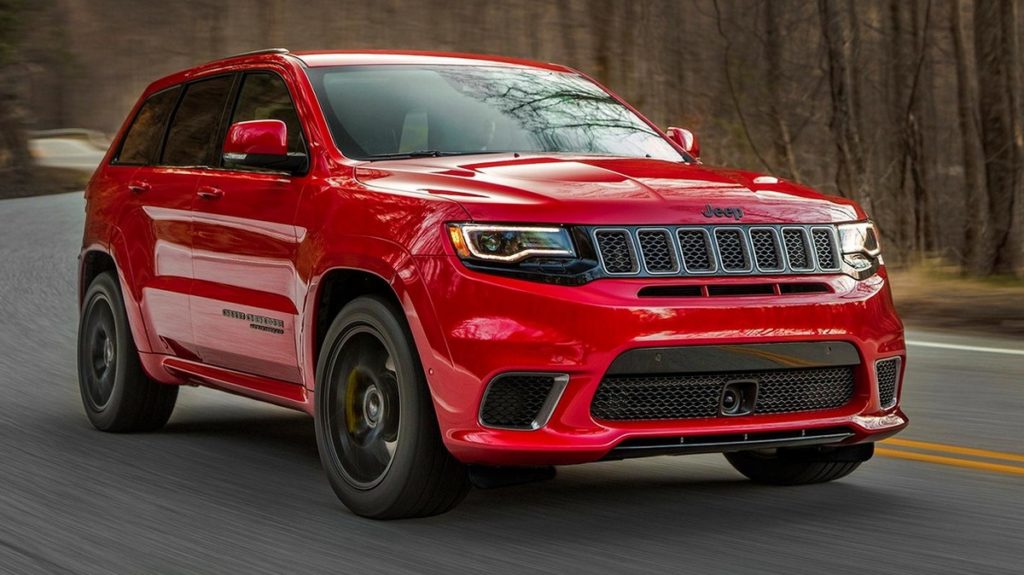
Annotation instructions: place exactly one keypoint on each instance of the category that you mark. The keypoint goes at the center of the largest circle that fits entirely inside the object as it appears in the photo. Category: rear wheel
(116, 392)
(375, 424)
(800, 466)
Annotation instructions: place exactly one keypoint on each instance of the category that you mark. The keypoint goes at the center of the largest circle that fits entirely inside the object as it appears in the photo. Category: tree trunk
(16, 164)
(976, 258)
(785, 159)
(836, 24)
(997, 55)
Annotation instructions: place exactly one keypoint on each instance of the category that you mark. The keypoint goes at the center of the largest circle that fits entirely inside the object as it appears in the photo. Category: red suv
(459, 263)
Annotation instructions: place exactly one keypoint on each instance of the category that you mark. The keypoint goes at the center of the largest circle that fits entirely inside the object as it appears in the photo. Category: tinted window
(265, 96)
(142, 142)
(395, 109)
(196, 125)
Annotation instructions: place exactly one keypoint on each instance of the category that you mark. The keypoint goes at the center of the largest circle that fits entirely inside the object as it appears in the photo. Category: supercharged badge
(257, 322)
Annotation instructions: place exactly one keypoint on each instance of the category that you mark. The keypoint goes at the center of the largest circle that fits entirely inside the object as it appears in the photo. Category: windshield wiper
(422, 154)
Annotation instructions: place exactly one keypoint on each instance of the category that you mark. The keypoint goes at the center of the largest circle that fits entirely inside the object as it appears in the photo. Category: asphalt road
(234, 486)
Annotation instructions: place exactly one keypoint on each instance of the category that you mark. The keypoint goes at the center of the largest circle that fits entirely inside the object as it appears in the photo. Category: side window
(264, 96)
(142, 142)
(195, 127)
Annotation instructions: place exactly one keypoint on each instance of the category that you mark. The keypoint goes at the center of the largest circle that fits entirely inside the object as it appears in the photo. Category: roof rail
(262, 51)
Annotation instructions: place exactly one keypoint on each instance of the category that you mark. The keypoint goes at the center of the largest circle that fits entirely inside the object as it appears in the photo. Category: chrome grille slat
(825, 248)
(618, 255)
(695, 245)
(657, 250)
(798, 249)
(767, 252)
(723, 250)
(732, 250)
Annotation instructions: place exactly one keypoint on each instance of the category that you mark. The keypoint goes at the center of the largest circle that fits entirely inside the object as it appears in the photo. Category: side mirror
(261, 144)
(686, 140)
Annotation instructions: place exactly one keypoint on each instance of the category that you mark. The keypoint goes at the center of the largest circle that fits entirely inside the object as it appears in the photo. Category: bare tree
(16, 173)
(998, 59)
(975, 257)
(837, 24)
(775, 29)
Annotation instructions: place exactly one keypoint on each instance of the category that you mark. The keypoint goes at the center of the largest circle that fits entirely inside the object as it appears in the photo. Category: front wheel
(800, 466)
(375, 424)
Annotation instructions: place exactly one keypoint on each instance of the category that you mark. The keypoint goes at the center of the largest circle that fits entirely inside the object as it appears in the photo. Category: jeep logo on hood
(713, 212)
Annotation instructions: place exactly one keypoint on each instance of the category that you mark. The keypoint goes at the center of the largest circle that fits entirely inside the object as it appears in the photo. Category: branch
(732, 92)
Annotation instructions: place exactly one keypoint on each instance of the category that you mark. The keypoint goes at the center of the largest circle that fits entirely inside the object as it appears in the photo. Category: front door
(246, 296)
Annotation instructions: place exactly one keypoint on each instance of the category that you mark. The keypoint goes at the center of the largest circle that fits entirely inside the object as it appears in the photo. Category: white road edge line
(938, 345)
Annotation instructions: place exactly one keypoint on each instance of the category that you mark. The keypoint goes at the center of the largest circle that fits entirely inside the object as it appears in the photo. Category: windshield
(396, 110)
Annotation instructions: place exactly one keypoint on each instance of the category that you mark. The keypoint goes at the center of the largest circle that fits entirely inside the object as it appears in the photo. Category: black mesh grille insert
(731, 250)
(796, 248)
(888, 373)
(657, 251)
(687, 396)
(695, 249)
(823, 246)
(515, 400)
(616, 252)
(766, 251)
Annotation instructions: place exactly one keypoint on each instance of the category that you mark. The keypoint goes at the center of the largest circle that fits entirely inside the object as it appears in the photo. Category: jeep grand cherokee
(461, 263)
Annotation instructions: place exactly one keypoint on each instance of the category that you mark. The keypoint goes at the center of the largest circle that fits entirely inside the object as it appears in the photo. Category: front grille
(657, 252)
(732, 250)
(688, 396)
(796, 248)
(516, 401)
(824, 248)
(717, 250)
(617, 253)
(697, 251)
(887, 372)
(766, 249)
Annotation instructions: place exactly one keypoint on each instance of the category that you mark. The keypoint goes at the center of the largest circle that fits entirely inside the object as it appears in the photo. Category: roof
(371, 57)
(346, 58)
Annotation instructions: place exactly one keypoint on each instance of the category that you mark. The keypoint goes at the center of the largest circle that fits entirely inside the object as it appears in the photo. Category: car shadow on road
(670, 492)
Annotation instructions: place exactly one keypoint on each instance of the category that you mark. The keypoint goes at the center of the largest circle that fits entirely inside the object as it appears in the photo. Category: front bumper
(494, 325)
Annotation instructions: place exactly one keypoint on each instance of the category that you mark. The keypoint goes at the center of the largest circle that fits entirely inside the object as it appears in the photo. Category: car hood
(592, 190)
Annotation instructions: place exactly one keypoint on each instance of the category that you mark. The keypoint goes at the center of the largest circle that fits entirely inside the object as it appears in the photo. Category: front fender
(396, 266)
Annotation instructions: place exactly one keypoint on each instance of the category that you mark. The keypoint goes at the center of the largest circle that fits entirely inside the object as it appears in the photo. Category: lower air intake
(521, 400)
(887, 372)
(698, 395)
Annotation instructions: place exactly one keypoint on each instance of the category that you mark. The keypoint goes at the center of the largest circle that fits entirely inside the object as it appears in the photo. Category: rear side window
(142, 142)
(264, 96)
(196, 125)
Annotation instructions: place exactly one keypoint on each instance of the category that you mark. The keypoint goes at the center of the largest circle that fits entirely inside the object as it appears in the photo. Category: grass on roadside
(939, 296)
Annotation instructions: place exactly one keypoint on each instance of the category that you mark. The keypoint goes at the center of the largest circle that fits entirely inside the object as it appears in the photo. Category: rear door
(155, 221)
(246, 295)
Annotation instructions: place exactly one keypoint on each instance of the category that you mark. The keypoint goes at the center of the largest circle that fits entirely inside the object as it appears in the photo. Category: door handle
(138, 187)
(210, 193)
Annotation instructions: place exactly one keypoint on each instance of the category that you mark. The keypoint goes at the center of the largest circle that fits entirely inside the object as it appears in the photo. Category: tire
(117, 394)
(800, 466)
(376, 429)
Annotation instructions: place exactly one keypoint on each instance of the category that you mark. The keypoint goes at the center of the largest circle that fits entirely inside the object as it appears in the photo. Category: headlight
(509, 244)
(859, 244)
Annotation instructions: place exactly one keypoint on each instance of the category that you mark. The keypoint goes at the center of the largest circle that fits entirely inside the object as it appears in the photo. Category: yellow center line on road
(942, 460)
(954, 449)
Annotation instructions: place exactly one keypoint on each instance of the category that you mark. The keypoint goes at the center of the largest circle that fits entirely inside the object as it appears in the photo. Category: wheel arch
(97, 259)
(393, 277)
